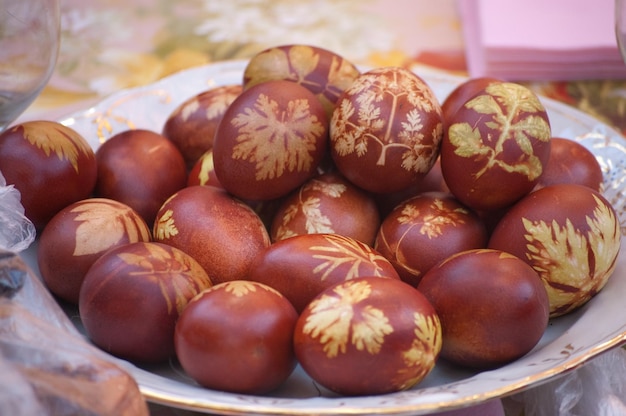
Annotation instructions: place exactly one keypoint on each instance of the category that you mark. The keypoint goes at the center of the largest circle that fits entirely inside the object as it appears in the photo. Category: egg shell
(570, 235)
(50, 164)
(270, 141)
(571, 162)
(368, 336)
(327, 203)
(133, 295)
(386, 130)
(424, 230)
(302, 266)
(237, 337)
(462, 93)
(496, 146)
(323, 72)
(222, 233)
(203, 172)
(191, 126)
(78, 235)
(492, 306)
(140, 168)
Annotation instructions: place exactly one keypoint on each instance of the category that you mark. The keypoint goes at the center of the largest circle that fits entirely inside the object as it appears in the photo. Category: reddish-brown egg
(354, 339)
(222, 233)
(424, 230)
(191, 126)
(386, 130)
(78, 235)
(570, 234)
(133, 295)
(571, 162)
(237, 337)
(140, 168)
(270, 141)
(327, 203)
(302, 266)
(496, 146)
(203, 172)
(492, 306)
(323, 72)
(50, 164)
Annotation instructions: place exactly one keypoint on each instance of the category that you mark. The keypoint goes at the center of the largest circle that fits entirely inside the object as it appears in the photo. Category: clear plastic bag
(17, 232)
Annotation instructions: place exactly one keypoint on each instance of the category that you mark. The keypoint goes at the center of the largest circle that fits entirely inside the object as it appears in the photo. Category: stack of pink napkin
(541, 39)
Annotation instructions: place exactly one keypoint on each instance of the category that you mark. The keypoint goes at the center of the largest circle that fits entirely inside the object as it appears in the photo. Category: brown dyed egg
(570, 235)
(203, 172)
(133, 295)
(386, 130)
(140, 168)
(327, 203)
(270, 141)
(191, 126)
(462, 93)
(80, 233)
(492, 306)
(50, 164)
(424, 230)
(222, 233)
(324, 73)
(571, 162)
(302, 266)
(354, 339)
(237, 337)
(496, 146)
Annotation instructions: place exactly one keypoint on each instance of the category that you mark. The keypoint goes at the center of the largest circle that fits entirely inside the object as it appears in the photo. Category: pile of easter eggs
(320, 215)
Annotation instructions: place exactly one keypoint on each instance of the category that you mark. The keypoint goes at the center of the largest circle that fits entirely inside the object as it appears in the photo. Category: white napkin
(541, 40)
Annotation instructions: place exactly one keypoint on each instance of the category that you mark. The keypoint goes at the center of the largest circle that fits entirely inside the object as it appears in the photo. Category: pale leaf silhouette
(69, 148)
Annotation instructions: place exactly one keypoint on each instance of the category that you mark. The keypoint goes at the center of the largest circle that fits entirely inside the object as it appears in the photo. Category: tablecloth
(109, 45)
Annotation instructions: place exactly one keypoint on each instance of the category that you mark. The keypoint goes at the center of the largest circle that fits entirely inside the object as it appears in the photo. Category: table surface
(109, 45)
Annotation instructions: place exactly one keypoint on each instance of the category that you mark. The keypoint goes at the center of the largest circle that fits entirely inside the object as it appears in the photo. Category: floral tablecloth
(109, 45)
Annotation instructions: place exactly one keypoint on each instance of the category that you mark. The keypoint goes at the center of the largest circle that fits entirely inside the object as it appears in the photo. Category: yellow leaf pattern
(165, 227)
(277, 139)
(241, 288)
(332, 320)
(431, 224)
(573, 265)
(42, 135)
(157, 262)
(123, 226)
(345, 251)
(504, 102)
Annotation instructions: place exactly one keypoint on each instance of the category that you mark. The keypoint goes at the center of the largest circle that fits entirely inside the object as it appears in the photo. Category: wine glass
(620, 26)
(29, 45)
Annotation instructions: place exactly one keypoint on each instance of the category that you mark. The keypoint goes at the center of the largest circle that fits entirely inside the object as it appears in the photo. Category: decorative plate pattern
(569, 342)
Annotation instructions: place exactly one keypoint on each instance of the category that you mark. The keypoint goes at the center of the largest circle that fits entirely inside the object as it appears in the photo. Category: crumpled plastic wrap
(47, 367)
(598, 388)
(16, 231)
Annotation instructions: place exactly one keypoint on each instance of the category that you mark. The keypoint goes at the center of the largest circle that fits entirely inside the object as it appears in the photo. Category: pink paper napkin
(541, 40)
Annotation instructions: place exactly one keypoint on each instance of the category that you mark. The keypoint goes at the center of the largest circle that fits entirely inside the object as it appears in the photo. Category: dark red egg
(191, 126)
(496, 146)
(270, 141)
(368, 336)
(133, 295)
(492, 306)
(302, 266)
(237, 337)
(571, 162)
(50, 164)
(424, 230)
(78, 235)
(570, 234)
(325, 73)
(327, 203)
(140, 168)
(386, 130)
(222, 233)
(462, 93)
(203, 172)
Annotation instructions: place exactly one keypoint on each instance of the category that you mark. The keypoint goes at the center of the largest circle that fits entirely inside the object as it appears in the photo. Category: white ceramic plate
(569, 341)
